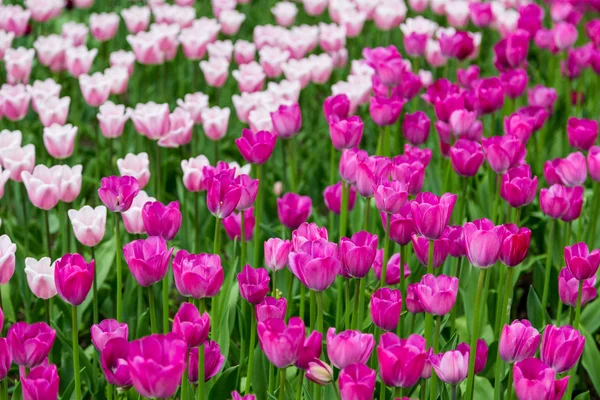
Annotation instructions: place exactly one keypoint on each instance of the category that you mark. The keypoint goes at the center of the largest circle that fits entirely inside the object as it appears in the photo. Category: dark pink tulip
(161, 220)
(413, 304)
(319, 372)
(517, 47)
(416, 127)
(358, 253)
(307, 232)
(387, 63)
(223, 195)
(287, 120)
(349, 347)
(156, 364)
(256, 148)
(514, 82)
(271, 308)
(542, 96)
(415, 43)
(276, 253)
(409, 86)
(561, 347)
(515, 245)
(431, 213)
(107, 330)
(253, 283)
(518, 126)
(357, 382)
(483, 242)
(316, 264)
(117, 193)
(437, 295)
(592, 30)
(5, 358)
(213, 361)
(481, 353)
(249, 190)
(518, 188)
(385, 111)
(582, 133)
(190, 326)
(554, 201)
(332, 195)
(481, 14)
(444, 107)
(535, 380)
(504, 152)
(518, 341)
(460, 45)
(536, 116)
(336, 107)
(280, 343)
(423, 155)
(568, 288)
(41, 383)
(346, 133)
(456, 241)
(410, 171)
(466, 157)
(530, 18)
(401, 225)
(392, 272)
(197, 275)
(572, 170)
(113, 360)
(386, 305)
(489, 95)
(310, 350)
(575, 202)
(401, 361)
(439, 90)
(29, 345)
(390, 196)
(73, 278)
(147, 259)
(441, 249)
(233, 225)
(370, 173)
(293, 209)
(349, 162)
(582, 263)
(593, 162)
(466, 77)
(451, 366)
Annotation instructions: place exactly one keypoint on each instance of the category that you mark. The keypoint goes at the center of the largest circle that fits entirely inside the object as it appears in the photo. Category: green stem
(423, 390)
(75, 341)
(184, 379)
(475, 334)
(386, 141)
(158, 171)
(299, 387)
(386, 251)
(95, 289)
(165, 301)
(251, 349)
(499, 301)
(367, 212)
(453, 392)
(257, 216)
(428, 317)
(216, 237)
(109, 391)
(357, 296)
(344, 211)
(402, 289)
(243, 240)
(196, 222)
(48, 243)
(510, 383)
(398, 392)
(504, 313)
(332, 164)
(382, 391)
(313, 310)
(119, 270)
(346, 313)
(201, 383)
(594, 219)
(319, 297)
(293, 165)
(153, 317)
(576, 326)
(436, 345)
(549, 250)
(496, 216)
(453, 311)
(282, 384)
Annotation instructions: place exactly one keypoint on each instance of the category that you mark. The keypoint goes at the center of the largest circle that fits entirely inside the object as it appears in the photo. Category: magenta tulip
(401, 361)
(117, 193)
(161, 220)
(346, 133)
(287, 120)
(534, 380)
(223, 195)
(504, 153)
(483, 242)
(310, 350)
(306, 233)
(390, 196)
(213, 361)
(233, 225)
(385, 111)
(431, 213)
(254, 284)
(514, 82)
(515, 245)
(582, 133)
(113, 360)
(481, 353)
(437, 295)
(568, 288)
(518, 341)
(416, 127)
(197, 275)
(256, 148)
(107, 330)
(489, 95)
(41, 383)
(357, 382)
(148, 259)
(29, 345)
(409, 171)
(561, 347)
(349, 162)
(518, 187)
(466, 157)
(593, 162)
(190, 326)
(357, 254)
(73, 278)
(401, 225)
(554, 201)
(316, 264)
(575, 203)
(456, 241)
(276, 253)
(5, 358)
(293, 209)
(348, 347)
(413, 304)
(386, 305)
(392, 273)
(280, 343)
(582, 263)
(441, 249)
(271, 308)
(336, 107)
(370, 173)
(332, 195)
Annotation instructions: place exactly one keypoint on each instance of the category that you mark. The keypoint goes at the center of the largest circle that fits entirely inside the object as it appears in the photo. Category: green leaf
(105, 258)
(535, 311)
(224, 385)
(583, 396)
(589, 316)
(143, 326)
(259, 374)
(591, 359)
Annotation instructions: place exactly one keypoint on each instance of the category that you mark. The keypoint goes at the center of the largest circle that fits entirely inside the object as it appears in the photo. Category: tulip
(156, 364)
(348, 164)
(117, 193)
(293, 209)
(256, 148)
(409, 171)
(104, 26)
(481, 353)
(161, 220)
(456, 241)
(18, 62)
(17, 160)
(357, 382)
(451, 367)
(73, 278)
(215, 70)
(132, 218)
(504, 153)
(89, 224)
(233, 225)
(213, 361)
(554, 201)
(349, 347)
(332, 195)
(582, 263)
(15, 101)
(41, 383)
(43, 186)
(561, 347)
(358, 253)
(287, 120)
(197, 275)
(437, 295)
(316, 264)
(413, 304)
(431, 213)
(215, 121)
(113, 360)
(310, 350)
(542, 96)
(223, 195)
(346, 133)
(150, 119)
(40, 277)
(7, 259)
(29, 345)
(483, 242)
(401, 361)
(593, 162)
(518, 341)
(276, 253)
(280, 343)
(250, 77)
(190, 326)
(570, 171)
(535, 380)
(515, 245)
(441, 249)
(392, 272)
(336, 107)
(582, 133)
(5, 357)
(386, 306)
(568, 288)
(416, 127)
(148, 259)
(466, 157)
(137, 166)
(371, 172)
(95, 88)
(319, 372)
(270, 308)
(235, 395)
(112, 119)
(391, 196)
(106, 331)
(54, 111)
(70, 183)
(514, 82)
(254, 284)
(136, 18)
(385, 111)
(575, 203)
(193, 173)
(518, 188)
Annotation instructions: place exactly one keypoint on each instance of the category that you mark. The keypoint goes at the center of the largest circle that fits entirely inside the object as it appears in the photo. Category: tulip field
(299, 199)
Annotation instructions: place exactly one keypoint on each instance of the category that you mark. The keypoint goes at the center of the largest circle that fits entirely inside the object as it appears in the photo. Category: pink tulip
(316, 264)
(451, 367)
(458, 45)
(148, 259)
(42, 382)
(223, 195)
(118, 78)
(336, 108)
(574, 198)
(346, 133)
(230, 21)
(132, 218)
(504, 152)
(409, 171)
(53, 110)
(17, 159)
(124, 59)
(431, 214)
(568, 288)
(437, 295)
(161, 220)
(14, 101)
(276, 253)
(272, 60)
(332, 195)
(348, 164)
(293, 209)
(357, 382)
(314, 7)
(441, 249)
(117, 193)
(5, 357)
(233, 225)
(250, 77)
(518, 188)
(193, 173)
(112, 119)
(542, 96)
(215, 71)
(73, 278)
(18, 63)
(95, 88)
(319, 372)
(113, 360)
(197, 275)
(60, 140)
(518, 341)
(401, 225)
(107, 330)
(16, 19)
(29, 345)
(136, 18)
(40, 276)
(280, 343)
(43, 186)
(514, 82)
(322, 68)
(256, 148)
(416, 127)
(582, 133)
(213, 361)
(582, 263)
(561, 347)
(215, 121)
(534, 380)
(554, 201)
(89, 224)
(391, 196)
(570, 171)
(70, 182)
(413, 304)
(515, 245)
(7, 259)
(51, 51)
(310, 350)
(386, 305)
(371, 172)
(466, 157)
(565, 35)
(244, 51)
(271, 308)
(287, 120)
(385, 111)
(357, 254)
(392, 273)
(79, 60)
(104, 26)
(481, 353)
(483, 242)
(348, 347)
(190, 325)
(137, 166)
(254, 284)
(401, 361)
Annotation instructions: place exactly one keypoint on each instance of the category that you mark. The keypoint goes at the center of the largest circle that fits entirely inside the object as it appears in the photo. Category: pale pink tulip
(136, 165)
(193, 173)
(89, 224)
(104, 26)
(17, 160)
(244, 52)
(215, 121)
(285, 13)
(231, 21)
(250, 77)
(41, 90)
(132, 218)
(95, 88)
(79, 60)
(51, 51)
(18, 64)
(14, 101)
(40, 277)
(122, 58)
(75, 33)
(194, 104)
(43, 185)
(70, 183)
(112, 119)
(136, 18)
(59, 140)
(53, 110)
(220, 49)
(118, 77)
(215, 71)
(151, 119)
(180, 129)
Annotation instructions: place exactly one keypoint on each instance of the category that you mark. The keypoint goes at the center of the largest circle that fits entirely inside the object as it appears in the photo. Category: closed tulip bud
(113, 360)
(385, 111)
(386, 305)
(456, 241)
(466, 157)
(40, 277)
(156, 364)
(276, 253)
(582, 263)
(401, 225)
(197, 275)
(117, 193)
(29, 345)
(515, 82)
(233, 225)
(582, 133)
(280, 343)
(437, 295)
(73, 278)
(287, 120)
(357, 382)
(346, 133)
(253, 283)
(316, 264)
(319, 372)
(349, 162)
(392, 273)
(223, 195)
(370, 173)
(413, 304)
(306, 233)
(256, 148)
(310, 350)
(518, 187)
(136, 165)
(70, 182)
(554, 201)
(431, 213)
(542, 97)
(391, 196)
(358, 253)
(161, 220)
(504, 152)
(41, 383)
(89, 224)
(95, 88)
(409, 171)
(53, 112)
(441, 249)
(451, 367)
(401, 361)
(349, 347)
(332, 195)
(270, 308)
(515, 245)
(107, 330)
(416, 127)
(190, 325)
(112, 119)
(293, 209)
(336, 107)
(518, 341)
(483, 242)
(568, 288)
(489, 95)
(575, 203)
(481, 353)
(561, 347)
(43, 186)
(535, 380)
(7, 259)
(148, 259)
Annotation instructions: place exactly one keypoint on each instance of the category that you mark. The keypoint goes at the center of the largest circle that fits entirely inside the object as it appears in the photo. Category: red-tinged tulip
(385, 111)
(316, 264)
(287, 120)
(515, 245)
(504, 152)
(107, 330)
(409, 171)
(357, 254)
(371, 172)
(332, 195)
(223, 195)
(276, 253)
(307, 232)
(413, 304)
(386, 305)
(561, 347)
(575, 203)
(256, 148)
(319, 372)
(73, 278)
(582, 133)
(518, 187)
(117, 193)
(349, 162)
(156, 364)
(554, 201)
(233, 225)
(437, 295)
(190, 326)
(451, 367)
(280, 343)
(197, 275)
(357, 382)
(113, 360)
(41, 383)
(518, 341)
(254, 284)
(390, 196)
(401, 361)
(310, 350)
(582, 263)
(293, 209)
(431, 213)
(271, 308)
(147, 259)
(481, 353)
(593, 162)
(392, 272)
(441, 249)
(349, 347)
(534, 380)
(466, 157)
(29, 345)
(346, 133)
(568, 288)
(416, 127)
(483, 242)
(161, 220)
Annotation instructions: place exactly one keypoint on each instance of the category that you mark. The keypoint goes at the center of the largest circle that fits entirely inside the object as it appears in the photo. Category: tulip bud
(515, 245)
(582, 263)
(332, 195)
(401, 361)
(437, 295)
(271, 308)
(107, 330)
(316, 264)
(293, 209)
(535, 380)
(254, 284)
(276, 253)
(197, 275)
(319, 372)
(89, 224)
(41, 383)
(561, 347)
(386, 305)
(348, 347)
(358, 253)
(113, 360)
(73, 278)
(483, 242)
(431, 213)
(518, 341)
(148, 259)
(190, 325)
(29, 345)
(256, 148)
(281, 344)
(451, 367)
(213, 361)
(357, 381)
(481, 353)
